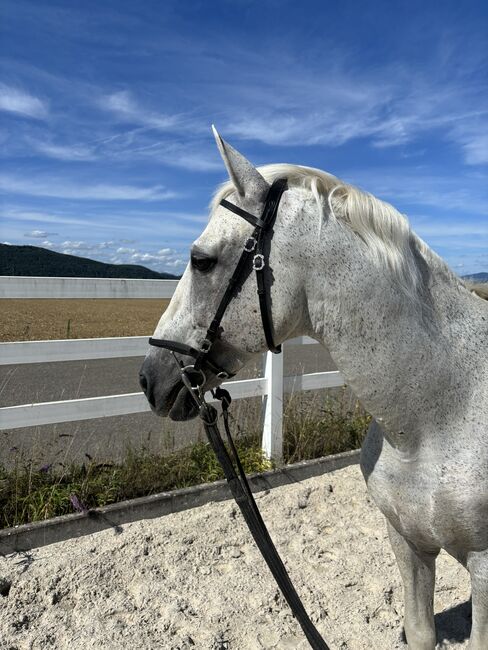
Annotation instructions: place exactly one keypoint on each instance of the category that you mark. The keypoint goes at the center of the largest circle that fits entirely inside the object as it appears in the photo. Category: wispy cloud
(472, 137)
(39, 234)
(15, 213)
(63, 152)
(456, 230)
(66, 189)
(192, 155)
(389, 107)
(399, 108)
(123, 105)
(15, 100)
(411, 188)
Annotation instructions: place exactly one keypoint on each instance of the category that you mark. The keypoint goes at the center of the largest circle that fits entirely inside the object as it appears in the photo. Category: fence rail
(19, 286)
(271, 387)
(21, 352)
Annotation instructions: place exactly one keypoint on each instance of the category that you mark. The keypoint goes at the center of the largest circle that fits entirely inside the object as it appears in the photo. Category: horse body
(409, 338)
(426, 462)
(424, 378)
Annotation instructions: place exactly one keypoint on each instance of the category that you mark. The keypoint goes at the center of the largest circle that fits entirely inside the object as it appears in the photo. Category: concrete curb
(41, 533)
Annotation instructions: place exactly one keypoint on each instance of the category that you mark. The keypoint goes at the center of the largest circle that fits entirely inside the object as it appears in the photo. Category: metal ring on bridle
(205, 345)
(258, 262)
(250, 244)
(187, 370)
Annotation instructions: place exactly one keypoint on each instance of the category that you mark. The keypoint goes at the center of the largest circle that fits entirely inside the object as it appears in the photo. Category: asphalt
(108, 438)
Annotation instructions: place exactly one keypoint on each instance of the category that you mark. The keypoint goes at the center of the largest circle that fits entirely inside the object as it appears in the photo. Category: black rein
(237, 481)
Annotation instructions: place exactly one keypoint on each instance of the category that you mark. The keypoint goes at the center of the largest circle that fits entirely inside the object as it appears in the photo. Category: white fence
(271, 387)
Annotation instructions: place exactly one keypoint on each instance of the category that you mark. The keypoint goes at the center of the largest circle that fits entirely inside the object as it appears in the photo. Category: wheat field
(46, 319)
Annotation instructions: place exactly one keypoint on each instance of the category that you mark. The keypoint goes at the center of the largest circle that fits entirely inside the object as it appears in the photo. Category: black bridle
(193, 377)
(253, 247)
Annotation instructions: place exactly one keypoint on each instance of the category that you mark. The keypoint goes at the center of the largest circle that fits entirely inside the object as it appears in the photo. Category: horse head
(214, 256)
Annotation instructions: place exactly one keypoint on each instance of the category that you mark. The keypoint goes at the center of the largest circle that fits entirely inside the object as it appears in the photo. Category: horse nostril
(147, 388)
(143, 381)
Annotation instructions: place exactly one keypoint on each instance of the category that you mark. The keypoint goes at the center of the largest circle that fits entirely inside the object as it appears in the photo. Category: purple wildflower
(77, 504)
(45, 468)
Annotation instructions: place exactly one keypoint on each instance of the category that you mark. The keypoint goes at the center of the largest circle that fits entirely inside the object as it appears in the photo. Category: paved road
(107, 439)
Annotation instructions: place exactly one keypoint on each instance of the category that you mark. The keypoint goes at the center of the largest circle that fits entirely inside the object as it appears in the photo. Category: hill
(477, 277)
(37, 261)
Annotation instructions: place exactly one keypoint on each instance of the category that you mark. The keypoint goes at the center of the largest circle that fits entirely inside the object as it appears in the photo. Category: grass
(29, 493)
(313, 430)
(36, 319)
(32, 493)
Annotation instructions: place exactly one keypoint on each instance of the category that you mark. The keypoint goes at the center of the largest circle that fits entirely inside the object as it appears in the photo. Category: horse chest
(404, 496)
(433, 504)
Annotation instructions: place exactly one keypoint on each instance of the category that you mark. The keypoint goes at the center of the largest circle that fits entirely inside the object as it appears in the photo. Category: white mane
(384, 230)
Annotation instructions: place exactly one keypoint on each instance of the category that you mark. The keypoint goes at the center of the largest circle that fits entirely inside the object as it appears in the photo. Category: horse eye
(202, 263)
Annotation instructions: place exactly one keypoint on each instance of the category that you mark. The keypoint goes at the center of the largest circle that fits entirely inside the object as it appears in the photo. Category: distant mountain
(37, 261)
(477, 277)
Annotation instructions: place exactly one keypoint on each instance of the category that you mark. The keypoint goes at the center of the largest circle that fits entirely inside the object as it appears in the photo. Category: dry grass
(43, 319)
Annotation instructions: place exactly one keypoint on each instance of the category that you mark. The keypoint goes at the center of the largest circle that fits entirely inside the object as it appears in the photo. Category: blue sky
(106, 109)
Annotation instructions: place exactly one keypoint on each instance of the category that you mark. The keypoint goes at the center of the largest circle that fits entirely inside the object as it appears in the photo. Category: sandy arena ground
(195, 580)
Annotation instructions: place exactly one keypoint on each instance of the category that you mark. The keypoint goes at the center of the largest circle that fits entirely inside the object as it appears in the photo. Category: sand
(195, 580)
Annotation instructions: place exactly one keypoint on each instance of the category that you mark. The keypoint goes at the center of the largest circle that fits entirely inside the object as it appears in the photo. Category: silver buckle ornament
(250, 244)
(258, 262)
(205, 346)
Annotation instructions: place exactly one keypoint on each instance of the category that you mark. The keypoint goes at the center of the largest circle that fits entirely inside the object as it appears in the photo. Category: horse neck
(405, 367)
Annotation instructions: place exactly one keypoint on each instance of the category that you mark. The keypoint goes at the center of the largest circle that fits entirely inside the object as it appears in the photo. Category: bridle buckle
(250, 244)
(205, 346)
(258, 262)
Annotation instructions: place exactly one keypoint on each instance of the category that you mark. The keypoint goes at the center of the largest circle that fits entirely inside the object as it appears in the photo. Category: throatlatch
(193, 377)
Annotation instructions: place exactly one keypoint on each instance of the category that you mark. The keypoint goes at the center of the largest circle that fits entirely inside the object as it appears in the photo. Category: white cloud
(87, 246)
(473, 139)
(64, 152)
(16, 213)
(79, 245)
(461, 229)
(192, 155)
(415, 186)
(13, 100)
(124, 105)
(38, 234)
(65, 189)
(163, 259)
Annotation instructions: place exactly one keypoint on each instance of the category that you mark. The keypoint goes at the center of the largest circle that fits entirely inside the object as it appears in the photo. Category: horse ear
(246, 179)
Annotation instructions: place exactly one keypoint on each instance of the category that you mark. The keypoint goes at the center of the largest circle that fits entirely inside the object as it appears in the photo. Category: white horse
(408, 336)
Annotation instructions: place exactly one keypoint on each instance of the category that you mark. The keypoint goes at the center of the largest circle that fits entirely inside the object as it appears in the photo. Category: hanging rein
(193, 377)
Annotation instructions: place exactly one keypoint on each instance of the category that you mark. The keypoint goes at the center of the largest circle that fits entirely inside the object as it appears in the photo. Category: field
(43, 319)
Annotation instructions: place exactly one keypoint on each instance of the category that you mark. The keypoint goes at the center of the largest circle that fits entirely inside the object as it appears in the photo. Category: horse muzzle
(160, 380)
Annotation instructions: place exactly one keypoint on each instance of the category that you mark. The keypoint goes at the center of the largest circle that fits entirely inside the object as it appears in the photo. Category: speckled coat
(421, 372)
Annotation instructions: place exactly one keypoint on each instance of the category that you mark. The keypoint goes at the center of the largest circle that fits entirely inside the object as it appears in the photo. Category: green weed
(31, 493)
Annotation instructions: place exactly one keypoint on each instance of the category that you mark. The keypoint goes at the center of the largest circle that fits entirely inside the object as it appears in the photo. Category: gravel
(194, 580)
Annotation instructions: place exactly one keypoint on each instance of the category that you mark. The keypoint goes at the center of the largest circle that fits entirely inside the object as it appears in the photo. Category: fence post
(273, 407)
